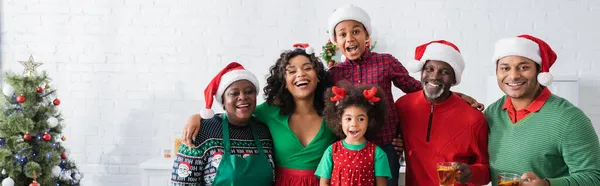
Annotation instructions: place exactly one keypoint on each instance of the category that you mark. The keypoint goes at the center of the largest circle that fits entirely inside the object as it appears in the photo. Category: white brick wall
(129, 72)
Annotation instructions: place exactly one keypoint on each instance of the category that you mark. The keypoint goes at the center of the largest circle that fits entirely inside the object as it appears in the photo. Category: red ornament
(27, 136)
(47, 137)
(40, 90)
(368, 44)
(329, 41)
(330, 64)
(21, 99)
(34, 183)
(63, 156)
(56, 102)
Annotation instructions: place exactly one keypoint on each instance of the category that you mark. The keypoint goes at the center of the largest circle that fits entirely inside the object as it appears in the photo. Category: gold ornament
(64, 138)
(30, 66)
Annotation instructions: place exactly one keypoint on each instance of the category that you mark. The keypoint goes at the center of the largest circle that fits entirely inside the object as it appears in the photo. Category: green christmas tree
(30, 132)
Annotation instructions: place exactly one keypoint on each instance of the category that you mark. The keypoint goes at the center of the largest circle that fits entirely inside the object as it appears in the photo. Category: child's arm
(379, 181)
(324, 182)
(382, 167)
(325, 166)
(402, 79)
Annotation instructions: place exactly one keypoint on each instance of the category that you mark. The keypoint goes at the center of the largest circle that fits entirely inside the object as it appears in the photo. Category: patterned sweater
(199, 165)
(557, 143)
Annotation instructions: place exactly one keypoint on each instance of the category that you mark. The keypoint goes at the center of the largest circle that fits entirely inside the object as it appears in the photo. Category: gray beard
(433, 95)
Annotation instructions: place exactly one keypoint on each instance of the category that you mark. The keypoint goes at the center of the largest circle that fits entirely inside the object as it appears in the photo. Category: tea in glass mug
(509, 179)
(446, 172)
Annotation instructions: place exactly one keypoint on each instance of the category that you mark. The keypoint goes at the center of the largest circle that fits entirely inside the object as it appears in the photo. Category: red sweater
(457, 133)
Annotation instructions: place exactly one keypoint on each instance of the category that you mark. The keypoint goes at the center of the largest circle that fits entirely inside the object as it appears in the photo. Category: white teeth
(433, 85)
(515, 84)
(243, 106)
(299, 83)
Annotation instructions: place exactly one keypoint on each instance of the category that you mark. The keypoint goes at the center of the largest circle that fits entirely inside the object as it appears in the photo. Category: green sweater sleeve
(326, 165)
(581, 152)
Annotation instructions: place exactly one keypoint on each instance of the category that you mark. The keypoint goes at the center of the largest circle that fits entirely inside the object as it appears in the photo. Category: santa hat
(230, 74)
(440, 50)
(219, 153)
(530, 47)
(348, 12)
(309, 50)
(186, 164)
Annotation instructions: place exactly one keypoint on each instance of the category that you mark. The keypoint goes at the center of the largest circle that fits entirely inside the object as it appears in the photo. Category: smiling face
(517, 77)
(351, 38)
(239, 100)
(437, 77)
(355, 122)
(301, 78)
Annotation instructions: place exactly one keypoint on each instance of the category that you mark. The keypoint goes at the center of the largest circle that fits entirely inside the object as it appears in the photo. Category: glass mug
(447, 172)
(509, 179)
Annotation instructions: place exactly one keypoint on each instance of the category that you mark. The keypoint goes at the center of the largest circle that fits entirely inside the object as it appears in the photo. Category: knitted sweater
(557, 143)
(199, 165)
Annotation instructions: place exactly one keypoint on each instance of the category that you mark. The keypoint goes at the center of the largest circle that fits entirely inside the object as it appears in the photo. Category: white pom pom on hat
(214, 90)
(530, 47)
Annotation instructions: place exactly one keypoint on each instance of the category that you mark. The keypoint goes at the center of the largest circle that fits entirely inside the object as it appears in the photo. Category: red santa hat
(348, 12)
(230, 74)
(440, 50)
(186, 164)
(530, 47)
(306, 47)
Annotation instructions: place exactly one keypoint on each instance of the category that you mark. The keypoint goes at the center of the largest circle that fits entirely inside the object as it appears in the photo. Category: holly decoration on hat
(56, 101)
(21, 99)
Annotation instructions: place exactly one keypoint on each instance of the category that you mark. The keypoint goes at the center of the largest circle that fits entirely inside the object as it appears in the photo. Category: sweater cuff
(555, 181)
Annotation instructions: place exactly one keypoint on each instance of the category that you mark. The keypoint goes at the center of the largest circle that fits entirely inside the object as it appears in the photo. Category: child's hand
(398, 145)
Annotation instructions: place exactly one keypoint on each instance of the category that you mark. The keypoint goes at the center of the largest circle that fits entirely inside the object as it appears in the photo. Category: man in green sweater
(532, 131)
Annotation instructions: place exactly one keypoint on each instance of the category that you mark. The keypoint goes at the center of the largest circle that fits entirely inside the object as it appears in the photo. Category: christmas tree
(30, 132)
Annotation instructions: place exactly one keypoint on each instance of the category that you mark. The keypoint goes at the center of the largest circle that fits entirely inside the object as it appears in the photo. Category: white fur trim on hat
(445, 53)
(517, 46)
(231, 77)
(207, 113)
(348, 12)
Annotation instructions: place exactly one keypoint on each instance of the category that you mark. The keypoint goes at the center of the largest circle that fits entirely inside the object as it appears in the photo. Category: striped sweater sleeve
(581, 152)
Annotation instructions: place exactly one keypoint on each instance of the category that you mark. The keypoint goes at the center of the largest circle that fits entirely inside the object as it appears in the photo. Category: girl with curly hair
(354, 113)
(293, 112)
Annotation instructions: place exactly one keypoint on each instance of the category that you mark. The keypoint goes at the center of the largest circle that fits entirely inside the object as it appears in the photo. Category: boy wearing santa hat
(438, 126)
(532, 131)
(349, 28)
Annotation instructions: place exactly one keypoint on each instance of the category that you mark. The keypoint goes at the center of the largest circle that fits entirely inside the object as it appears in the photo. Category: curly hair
(354, 97)
(275, 92)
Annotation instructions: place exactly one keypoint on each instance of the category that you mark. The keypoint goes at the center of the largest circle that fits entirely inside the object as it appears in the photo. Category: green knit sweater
(557, 143)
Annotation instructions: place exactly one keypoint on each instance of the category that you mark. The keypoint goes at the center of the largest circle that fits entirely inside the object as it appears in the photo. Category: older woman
(231, 148)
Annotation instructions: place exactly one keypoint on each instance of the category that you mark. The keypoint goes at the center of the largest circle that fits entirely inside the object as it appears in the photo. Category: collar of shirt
(365, 57)
(535, 106)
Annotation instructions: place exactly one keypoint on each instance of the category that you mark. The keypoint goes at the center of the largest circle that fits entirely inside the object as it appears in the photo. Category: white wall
(129, 72)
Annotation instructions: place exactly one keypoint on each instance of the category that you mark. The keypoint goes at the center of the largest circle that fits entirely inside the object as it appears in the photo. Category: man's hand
(190, 130)
(531, 179)
(463, 175)
(398, 145)
(471, 101)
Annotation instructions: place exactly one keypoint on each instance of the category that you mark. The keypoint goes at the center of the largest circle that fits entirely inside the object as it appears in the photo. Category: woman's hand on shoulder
(190, 130)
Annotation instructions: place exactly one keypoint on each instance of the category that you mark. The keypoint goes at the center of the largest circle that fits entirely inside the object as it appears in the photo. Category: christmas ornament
(34, 183)
(40, 90)
(47, 137)
(52, 122)
(56, 102)
(21, 99)
(8, 182)
(64, 138)
(30, 66)
(47, 86)
(3, 172)
(63, 156)
(56, 171)
(8, 89)
(76, 176)
(27, 136)
(2, 142)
